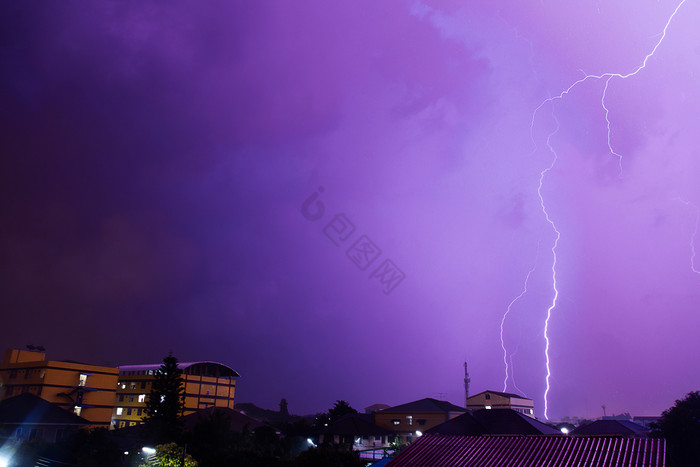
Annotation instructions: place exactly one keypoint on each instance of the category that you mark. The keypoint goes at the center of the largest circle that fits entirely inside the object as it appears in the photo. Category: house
(356, 430)
(493, 422)
(410, 420)
(527, 451)
(612, 427)
(206, 384)
(87, 390)
(501, 400)
(29, 417)
(236, 420)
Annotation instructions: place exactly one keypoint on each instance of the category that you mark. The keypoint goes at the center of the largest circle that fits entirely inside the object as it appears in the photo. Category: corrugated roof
(426, 405)
(527, 451)
(226, 370)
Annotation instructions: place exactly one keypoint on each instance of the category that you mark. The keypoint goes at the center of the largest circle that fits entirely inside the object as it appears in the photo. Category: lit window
(77, 410)
(142, 397)
(396, 421)
(120, 410)
(132, 385)
(487, 407)
(83, 380)
(409, 420)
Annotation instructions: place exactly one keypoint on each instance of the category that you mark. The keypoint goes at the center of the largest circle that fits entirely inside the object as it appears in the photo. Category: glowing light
(419, 433)
(148, 451)
(608, 76)
(565, 430)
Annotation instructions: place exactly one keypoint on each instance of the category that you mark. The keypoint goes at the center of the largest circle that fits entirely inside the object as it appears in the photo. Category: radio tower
(466, 384)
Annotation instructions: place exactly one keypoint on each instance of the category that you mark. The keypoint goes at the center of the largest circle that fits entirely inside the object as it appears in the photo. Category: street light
(148, 451)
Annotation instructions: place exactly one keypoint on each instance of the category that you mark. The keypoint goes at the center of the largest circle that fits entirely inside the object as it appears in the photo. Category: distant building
(406, 420)
(28, 417)
(206, 384)
(624, 428)
(501, 400)
(356, 430)
(86, 390)
(376, 408)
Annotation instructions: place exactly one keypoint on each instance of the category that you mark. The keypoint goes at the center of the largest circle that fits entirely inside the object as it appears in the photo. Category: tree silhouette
(680, 425)
(166, 402)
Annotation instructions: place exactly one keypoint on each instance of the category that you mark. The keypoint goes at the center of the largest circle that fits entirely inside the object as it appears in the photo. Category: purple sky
(156, 156)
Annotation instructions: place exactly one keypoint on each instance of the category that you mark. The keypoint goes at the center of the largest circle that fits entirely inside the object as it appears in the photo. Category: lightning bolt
(503, 320)
(553, 305)
(608, 77)
(693, 237)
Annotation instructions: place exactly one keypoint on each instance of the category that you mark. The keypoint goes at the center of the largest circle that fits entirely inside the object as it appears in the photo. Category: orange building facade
(206, 384)
(86, 390)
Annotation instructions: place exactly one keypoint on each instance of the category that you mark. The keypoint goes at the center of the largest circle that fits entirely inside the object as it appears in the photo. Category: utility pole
(466, 384)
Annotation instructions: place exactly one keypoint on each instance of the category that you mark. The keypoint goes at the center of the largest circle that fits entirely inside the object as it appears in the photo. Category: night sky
(341, 199)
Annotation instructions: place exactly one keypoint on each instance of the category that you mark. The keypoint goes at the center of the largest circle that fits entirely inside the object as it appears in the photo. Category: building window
(131, 398)
(121, 424)
(13, 374)
(138, 412)
(132, 385)
(83, 380)
(378, 439)
(121, 397)
(396, 421)
(421, 421)
(142, 397)
(120, 410)
(77, 410)
(143, 385)
(409, 420)
(488, 396)
(128, 411)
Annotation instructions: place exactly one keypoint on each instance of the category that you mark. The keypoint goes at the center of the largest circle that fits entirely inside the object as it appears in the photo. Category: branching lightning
(608, 76)
(508, 368)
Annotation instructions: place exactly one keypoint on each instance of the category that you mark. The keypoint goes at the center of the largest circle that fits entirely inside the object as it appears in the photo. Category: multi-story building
(87, 390)
(206, 384)
(501, 400)
(412, 419)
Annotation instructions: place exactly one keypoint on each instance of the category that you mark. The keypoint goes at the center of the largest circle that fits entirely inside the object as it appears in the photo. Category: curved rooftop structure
(211, 369)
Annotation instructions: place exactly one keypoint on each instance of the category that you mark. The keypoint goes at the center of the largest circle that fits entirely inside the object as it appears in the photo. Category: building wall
(87, 390)
(201, 392)
(497, 401)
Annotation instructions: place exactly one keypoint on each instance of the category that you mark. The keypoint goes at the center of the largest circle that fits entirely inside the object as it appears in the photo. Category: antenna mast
(466, 384)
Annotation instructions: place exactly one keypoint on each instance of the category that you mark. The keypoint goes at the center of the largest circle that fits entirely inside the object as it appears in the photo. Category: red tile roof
(527, 451)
